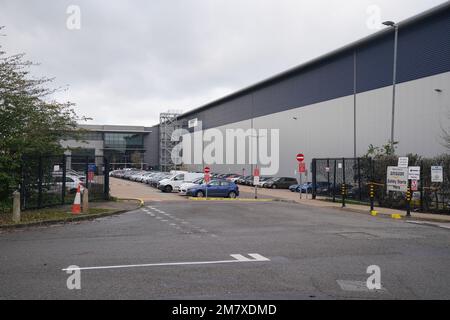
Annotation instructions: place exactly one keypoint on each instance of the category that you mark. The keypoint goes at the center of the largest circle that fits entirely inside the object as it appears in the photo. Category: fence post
(328, 176)
(22, 182)
(64, 175)
(334, 180)
(106, 179)
(40, 178)
(422, 182)
(343, 183)
(359, 179)
(314, 178)
(86, 171)
(408, 199)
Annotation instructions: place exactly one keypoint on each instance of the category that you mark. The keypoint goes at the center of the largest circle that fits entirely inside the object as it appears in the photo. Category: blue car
(306, 187)
(216, 188)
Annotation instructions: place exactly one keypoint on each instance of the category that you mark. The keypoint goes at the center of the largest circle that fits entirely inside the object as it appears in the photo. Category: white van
(174, 182)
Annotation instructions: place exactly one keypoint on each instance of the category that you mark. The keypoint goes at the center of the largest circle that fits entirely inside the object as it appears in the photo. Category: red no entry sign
(300, 157)
(206, 170)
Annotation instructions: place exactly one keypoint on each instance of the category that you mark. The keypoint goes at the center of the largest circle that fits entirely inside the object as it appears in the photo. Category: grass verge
(48, 214)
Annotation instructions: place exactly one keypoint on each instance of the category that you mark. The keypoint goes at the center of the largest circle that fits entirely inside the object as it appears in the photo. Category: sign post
(207, 178)
(256, 181)
(301, 169)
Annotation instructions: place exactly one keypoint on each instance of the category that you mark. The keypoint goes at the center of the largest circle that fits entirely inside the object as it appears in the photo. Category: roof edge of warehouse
(408, 21)
(115, 128)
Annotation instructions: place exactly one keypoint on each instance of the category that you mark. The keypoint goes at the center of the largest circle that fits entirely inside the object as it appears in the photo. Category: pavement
(320, 202)
(234, 250)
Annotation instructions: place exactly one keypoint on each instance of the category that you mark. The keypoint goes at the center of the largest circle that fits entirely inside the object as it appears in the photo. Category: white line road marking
(431, 224)
(237, 258)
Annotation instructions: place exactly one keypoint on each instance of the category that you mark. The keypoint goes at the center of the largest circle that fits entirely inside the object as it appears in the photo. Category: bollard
(16, 207)
(85, 207)
(372, 197)
(344, 193)
(408, 200)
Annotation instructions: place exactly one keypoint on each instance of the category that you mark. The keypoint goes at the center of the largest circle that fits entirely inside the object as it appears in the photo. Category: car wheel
(168, 189)
(274, 186)
(200, 194)
(232, 195)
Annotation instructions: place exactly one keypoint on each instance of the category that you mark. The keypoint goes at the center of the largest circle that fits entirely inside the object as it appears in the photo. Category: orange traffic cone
(76, 207)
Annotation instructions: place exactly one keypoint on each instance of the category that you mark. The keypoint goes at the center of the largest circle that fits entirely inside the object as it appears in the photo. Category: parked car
(176, 180)
(185, 186)
(156, 179)
(242, 179)
(295, 188)
(280, 183)
(248, 181)
(216, 188)
(262, 180)
(72, 183)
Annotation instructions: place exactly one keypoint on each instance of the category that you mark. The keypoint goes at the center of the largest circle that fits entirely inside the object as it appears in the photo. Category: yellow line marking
(228, 199)
(396, 216)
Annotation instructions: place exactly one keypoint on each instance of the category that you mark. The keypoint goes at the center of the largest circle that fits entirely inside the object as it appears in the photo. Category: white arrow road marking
(258, 257)
(237, 259)
(240, 257)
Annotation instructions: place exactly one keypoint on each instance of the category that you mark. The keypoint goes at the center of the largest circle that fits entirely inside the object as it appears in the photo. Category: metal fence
(53, 180)
(351, 179)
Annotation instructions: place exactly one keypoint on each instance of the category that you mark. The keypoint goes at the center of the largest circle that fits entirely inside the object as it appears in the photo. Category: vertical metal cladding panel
(151, 144)
(333, 78)
(424, 48)
(228, 112)
(328, 80)
(375, 62)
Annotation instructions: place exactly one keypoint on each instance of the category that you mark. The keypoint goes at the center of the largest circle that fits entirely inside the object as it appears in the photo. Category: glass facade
(123, 141)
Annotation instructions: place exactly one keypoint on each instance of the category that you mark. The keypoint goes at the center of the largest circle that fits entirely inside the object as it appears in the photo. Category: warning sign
(397, 179)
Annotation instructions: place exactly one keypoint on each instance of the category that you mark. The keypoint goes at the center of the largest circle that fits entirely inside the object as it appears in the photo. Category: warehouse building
(339, 104)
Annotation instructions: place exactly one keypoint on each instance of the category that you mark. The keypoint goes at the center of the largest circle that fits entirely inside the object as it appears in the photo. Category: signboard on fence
(403, 162)
(437, 174)
(397, 179)
(414, 173)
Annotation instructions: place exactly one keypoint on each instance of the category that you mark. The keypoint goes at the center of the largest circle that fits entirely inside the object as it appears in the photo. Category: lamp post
(394, 77)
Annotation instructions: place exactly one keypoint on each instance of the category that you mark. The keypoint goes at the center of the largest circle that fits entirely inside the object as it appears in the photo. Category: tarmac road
(186, 247)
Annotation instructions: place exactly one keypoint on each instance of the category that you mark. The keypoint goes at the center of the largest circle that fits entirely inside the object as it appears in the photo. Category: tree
(31, 123)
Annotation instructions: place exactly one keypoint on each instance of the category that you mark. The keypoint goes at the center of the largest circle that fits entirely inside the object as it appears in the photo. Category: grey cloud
(134, 59)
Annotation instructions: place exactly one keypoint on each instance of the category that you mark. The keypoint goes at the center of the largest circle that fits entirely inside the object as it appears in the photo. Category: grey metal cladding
(151, 142)
(374, 63)
(328, 80)
(424, 50)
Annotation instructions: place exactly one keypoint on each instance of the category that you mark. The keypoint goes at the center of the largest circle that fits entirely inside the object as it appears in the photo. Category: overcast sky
(131, 60)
